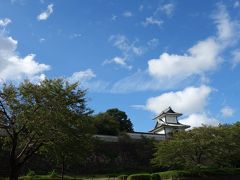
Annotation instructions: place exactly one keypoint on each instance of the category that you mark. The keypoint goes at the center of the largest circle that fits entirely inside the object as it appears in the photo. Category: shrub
(53, 174)
(156, 176)
(122, 177)
(31, 173)
(174, 174)
(139, 177)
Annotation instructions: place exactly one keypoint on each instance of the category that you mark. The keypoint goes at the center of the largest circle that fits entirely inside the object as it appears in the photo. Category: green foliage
(175, 174)
(156, 176)
(205, 146)
(122, 177)
(139, 177)
(31, 173)
(53, 174)
(112, 122)
(121, 117)
(36, 116)
(105, 124)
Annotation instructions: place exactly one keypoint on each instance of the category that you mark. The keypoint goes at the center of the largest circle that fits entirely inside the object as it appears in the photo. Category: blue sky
(138, 56)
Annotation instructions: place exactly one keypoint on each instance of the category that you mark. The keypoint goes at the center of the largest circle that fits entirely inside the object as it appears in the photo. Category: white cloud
(198, 119)
(190, 100)
(203, 56)
(14, 67)
(168, 9)
(87, 80)
(45, 14)
(128, 50)
(122, 43)
(127, 14)
(227, 111)
(82, 76)
(152, 21)
(4, 22)
(118, 60)
(227, 28)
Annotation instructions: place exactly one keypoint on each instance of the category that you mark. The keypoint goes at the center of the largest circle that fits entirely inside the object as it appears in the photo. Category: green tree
(204, 146)
(122, 118)
(71, 147)
(106, 124)
(35, 115)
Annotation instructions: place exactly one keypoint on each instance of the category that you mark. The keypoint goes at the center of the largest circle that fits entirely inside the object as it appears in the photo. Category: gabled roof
(168, 111)
(174, 125)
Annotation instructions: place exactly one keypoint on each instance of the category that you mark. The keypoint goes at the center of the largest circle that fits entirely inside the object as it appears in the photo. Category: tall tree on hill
(122, 118)
(106, 124)
(35, 115)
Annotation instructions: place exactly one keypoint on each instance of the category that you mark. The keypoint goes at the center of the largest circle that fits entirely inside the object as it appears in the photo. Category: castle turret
(167, 122)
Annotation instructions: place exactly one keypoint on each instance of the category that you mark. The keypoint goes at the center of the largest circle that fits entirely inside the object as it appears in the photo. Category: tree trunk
(63, 168)
(14, 168)
(14, 173)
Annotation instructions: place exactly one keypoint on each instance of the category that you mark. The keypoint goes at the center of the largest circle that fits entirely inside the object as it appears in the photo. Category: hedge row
(175, 174)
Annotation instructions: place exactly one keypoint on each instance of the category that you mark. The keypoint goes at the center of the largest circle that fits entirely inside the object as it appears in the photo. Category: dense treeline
(48, 126)
(200, 147)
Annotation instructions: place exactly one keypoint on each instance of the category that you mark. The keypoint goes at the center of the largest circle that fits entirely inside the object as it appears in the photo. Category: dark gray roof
(168, 111)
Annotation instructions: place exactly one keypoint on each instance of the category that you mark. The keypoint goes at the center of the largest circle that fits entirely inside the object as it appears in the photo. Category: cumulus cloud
(197, 120)
(188, 101)
(227, 111)
(191, 102)
(174, 70)
(45, 14)
(202, 57)
(14, 67)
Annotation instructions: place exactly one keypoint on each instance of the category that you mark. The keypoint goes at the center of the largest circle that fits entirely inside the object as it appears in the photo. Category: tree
(70, 147)
(35, 115)
(122, 118)
(106, 124)
(204, 146)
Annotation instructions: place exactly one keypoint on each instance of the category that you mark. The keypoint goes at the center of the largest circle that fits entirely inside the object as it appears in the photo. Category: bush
(122, 177)
(53, 174)
(174, 174)
(156, 176)
(31, 173)
(139, 177)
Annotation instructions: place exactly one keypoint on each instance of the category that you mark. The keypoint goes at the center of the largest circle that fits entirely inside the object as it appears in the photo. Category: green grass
(173, 174)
